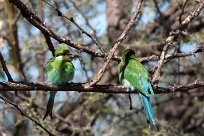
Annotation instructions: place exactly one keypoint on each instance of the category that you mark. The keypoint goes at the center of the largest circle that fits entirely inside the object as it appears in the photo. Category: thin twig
(5, 69)
(178, 55)
(158, 9)
(172, 56)
(130, 100)
(89, 25)
(182, 10)
(132, 21)
(49, 42)
(85, 18)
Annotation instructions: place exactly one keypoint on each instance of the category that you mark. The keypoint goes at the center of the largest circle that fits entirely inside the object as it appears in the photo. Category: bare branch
(182, 10)
(79, 87)
(5, 69)
(116, 45)
(178, 55)
(172, 56)
(49, 43)
(180, 88)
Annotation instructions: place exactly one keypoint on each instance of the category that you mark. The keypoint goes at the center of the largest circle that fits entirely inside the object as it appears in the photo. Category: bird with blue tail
(133, 75)
(59, 70)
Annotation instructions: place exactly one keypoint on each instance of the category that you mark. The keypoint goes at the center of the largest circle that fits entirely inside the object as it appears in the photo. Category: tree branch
(5, 69)
(172, 56)
(79, 87)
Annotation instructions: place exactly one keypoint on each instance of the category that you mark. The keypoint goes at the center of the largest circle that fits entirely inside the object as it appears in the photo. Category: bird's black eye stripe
(60, 54)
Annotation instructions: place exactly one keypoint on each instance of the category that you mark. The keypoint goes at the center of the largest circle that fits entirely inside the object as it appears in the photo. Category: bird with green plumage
(59, 70)
(133, 75)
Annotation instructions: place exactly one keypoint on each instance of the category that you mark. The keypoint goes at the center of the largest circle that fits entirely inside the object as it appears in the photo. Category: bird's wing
(137, 76)
(67, 66)
(48, 66)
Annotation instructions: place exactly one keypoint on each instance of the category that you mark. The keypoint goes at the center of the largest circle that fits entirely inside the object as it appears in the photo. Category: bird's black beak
(71, 55)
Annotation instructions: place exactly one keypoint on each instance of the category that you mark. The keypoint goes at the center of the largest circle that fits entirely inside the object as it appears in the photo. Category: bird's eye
(60, 54)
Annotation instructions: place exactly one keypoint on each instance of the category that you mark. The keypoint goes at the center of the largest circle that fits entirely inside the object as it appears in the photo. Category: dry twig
(5, 69)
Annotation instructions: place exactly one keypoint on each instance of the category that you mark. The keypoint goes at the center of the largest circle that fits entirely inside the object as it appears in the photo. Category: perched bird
(133, 75)
(59, 70)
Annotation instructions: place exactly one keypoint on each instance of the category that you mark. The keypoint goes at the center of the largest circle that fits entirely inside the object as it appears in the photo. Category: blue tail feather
(50, 104)
(148, 110)
(145, 109)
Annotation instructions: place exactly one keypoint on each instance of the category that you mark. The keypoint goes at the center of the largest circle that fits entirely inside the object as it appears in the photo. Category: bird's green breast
(59, 71)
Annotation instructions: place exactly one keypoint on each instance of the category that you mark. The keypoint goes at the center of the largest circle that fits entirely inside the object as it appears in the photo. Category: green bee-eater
(133, 75)
(59, 70)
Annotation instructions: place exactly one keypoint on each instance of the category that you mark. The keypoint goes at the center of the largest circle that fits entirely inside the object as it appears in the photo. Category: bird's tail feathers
(145, 109)
(148, 110)
(50, 105)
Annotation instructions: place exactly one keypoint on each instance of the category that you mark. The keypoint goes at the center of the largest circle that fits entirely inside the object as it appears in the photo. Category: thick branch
(79, 87)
